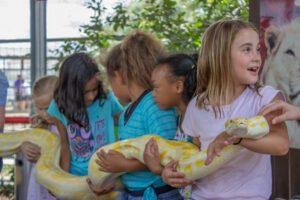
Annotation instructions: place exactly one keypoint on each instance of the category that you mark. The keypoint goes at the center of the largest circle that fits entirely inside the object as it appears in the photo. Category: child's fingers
(102, 154)
(155, 147)
(276, 105)
(101, 166)
(34, 147)
(210, 152)
(280, 118)
(113, 153)
(99, 190)
(172, 165)
(179, 182)
(101, 157)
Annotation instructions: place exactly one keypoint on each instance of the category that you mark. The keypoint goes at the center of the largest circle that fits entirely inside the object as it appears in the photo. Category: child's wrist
(238, 141)
(157, 170)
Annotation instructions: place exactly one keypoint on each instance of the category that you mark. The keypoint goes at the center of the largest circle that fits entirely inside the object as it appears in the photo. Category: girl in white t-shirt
(42, 94)
(227, 87)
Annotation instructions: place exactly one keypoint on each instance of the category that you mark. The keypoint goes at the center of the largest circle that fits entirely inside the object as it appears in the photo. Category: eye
(290, 52)
(247, 49)
(258, 49)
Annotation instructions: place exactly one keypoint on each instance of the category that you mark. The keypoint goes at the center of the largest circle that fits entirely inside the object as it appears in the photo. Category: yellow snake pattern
(66, 186)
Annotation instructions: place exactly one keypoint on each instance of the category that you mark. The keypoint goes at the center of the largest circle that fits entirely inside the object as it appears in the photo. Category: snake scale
(66, 186)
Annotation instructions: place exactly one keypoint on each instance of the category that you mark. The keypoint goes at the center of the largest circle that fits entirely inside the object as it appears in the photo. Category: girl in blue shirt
(83, 111)
(129, 66)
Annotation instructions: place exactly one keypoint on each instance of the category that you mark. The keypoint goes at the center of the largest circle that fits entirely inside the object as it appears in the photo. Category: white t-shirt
(248, 175)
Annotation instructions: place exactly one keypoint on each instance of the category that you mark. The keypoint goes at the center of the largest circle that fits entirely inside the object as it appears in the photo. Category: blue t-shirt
(3, 96)
(3, 88)
(147, 118)
(84, 141)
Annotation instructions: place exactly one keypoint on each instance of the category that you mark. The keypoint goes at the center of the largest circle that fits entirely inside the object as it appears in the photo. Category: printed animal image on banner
(280, 37)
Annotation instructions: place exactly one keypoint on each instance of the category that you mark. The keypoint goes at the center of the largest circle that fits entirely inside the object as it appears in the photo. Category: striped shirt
(147, 118)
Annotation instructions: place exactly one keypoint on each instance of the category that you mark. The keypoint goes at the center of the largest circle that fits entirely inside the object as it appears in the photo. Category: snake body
(66, 186)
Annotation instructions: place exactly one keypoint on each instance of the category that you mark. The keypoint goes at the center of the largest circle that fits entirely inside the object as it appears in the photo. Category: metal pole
(38, 39)
(38, 69)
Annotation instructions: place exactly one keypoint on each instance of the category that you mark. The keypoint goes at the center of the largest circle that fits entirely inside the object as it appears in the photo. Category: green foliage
(6, 189)
(179, 24)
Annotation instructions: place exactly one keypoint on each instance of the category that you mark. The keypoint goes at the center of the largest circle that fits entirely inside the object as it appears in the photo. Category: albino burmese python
(66, 186)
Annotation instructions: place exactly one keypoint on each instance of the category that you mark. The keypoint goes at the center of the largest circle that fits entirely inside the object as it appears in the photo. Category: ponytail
(183, 66)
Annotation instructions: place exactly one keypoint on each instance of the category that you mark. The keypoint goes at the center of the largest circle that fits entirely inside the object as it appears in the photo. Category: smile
(253, 69)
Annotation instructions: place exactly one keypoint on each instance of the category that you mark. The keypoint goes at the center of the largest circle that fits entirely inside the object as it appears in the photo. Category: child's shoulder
(148, 102)
(265, 95)
(267, 89)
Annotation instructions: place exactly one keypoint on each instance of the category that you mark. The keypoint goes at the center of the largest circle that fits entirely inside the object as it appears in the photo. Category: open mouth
(253, 69)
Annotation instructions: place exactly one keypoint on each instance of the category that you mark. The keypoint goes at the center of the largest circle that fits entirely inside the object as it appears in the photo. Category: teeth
(253, 69)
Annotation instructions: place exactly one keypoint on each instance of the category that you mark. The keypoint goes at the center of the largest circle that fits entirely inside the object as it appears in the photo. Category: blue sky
(63, 18)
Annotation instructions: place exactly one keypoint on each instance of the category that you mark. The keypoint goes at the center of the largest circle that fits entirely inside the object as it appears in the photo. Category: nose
(256, 56)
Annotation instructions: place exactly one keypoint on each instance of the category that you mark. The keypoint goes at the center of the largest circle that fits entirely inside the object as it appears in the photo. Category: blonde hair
(139, 54)
(214, 73)
(44, 85)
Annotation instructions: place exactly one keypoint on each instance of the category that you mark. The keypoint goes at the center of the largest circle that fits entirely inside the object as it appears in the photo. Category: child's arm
(196, 141)
(65, 153)
(289, 111)
(274, 143)
(115, 162)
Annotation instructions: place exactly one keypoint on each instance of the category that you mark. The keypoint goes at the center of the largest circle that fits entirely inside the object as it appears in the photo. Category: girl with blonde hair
(227, 87)
(42, 94)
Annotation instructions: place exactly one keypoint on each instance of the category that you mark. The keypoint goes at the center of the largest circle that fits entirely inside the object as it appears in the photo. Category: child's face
(91, 91)
(41, 105)
(245, 57)
(119, 87)
(167, 93)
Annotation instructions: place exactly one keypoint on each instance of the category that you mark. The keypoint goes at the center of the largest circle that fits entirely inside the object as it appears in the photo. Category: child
(42, 94)
(129, 67)
(289, 111)
(174, 80)
(3, 96)
(84, 111)
(228, 67)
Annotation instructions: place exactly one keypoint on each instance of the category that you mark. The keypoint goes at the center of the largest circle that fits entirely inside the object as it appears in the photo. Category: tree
(179, 24)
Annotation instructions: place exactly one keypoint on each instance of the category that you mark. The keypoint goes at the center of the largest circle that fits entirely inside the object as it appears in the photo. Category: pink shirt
(248, 176)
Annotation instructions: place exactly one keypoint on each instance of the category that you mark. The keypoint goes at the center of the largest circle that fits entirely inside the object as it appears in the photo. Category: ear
(179, 86)
(273, 37)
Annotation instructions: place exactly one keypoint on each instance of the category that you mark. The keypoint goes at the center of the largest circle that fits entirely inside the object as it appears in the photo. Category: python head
(237, 126)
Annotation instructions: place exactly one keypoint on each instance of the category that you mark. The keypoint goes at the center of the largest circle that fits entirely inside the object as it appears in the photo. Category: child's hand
(31, 151)
(112, 161)
(37, 121)
(99, 191)
(289, 112)
(152, 157)
(174, 178)
(215, 147)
